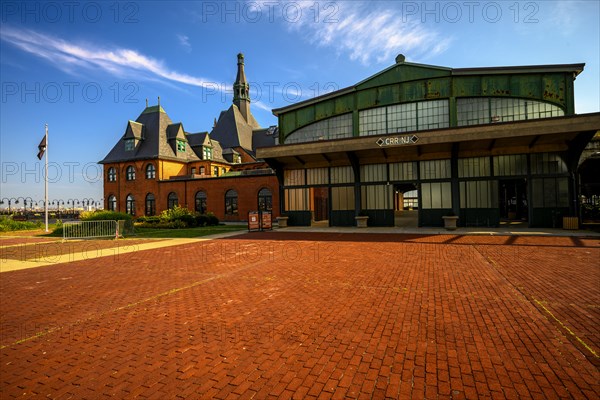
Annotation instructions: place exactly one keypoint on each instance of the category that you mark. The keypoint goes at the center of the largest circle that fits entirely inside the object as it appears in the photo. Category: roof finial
(159, 101)
(146, 102)
(400, 59)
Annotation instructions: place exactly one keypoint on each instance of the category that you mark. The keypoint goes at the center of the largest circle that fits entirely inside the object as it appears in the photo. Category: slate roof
(232, 130)
(152, 129)
(264, 137)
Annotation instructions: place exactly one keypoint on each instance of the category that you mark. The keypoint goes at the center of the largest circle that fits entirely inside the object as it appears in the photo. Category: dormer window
(129, 144)
(180, 145)
(207, 153)
(237, 158)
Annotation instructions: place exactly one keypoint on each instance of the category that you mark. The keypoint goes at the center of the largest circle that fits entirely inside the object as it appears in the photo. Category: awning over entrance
(541, 135)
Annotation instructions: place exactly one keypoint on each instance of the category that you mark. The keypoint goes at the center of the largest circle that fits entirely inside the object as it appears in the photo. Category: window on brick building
(130, 205)
(150, 204)
(216, 171)
(112, 174)
(231, 202)
(112, 203)
(150, 171)
(265, 200)
(200, 204)
(130, 173)
(172, 200)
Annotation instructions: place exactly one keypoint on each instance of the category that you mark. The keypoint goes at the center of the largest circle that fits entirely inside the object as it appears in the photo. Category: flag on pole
(41, 148)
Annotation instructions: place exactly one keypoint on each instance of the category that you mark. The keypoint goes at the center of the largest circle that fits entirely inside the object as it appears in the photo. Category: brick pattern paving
(58, 251)
(276, 315)
(11, 241)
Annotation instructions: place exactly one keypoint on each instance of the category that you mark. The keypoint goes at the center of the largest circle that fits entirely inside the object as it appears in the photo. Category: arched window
(130, 173)
(150, 204)
(265, 200)
(231, 202)
(201, 202)
(150, 171)
(112, 203)
(112, 174)
(172, 200)
(130, 205)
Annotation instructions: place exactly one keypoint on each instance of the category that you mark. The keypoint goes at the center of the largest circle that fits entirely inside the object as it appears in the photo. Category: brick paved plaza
(305, 315)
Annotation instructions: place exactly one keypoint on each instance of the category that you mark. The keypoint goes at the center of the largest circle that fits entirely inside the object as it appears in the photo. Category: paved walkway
(310, 315)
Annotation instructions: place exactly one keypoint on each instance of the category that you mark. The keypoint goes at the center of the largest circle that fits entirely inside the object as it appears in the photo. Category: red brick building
(157, 164)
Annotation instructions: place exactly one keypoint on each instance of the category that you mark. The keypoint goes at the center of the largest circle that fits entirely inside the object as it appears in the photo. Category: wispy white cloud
(184, 41)
(366, 31)
(121, 62)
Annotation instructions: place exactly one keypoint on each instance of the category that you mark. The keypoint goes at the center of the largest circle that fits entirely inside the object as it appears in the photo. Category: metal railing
(90, 229)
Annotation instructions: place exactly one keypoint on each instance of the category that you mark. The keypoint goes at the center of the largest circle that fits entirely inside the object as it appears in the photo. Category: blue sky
(86, 68)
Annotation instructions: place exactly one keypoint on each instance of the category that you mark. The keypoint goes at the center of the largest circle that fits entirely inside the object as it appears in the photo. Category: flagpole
(46, 181)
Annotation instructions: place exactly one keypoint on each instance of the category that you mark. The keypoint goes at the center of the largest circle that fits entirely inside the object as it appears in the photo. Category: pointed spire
(241, 89)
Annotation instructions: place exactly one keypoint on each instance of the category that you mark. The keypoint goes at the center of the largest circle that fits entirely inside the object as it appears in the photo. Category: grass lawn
(186, 232)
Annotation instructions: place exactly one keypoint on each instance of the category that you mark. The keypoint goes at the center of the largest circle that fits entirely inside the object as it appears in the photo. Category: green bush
(212, 219)
(7, 224)
(148, 220)
(163, 225)
(201, 220)
(104, 216)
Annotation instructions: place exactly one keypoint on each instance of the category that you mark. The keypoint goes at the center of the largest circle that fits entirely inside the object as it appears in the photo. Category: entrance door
(320, 204)
(406, 205)
(513, 199)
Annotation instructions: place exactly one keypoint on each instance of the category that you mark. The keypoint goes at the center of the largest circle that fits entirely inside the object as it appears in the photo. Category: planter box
(282, 222)
(571, 223)
(450, 222)
(361, 221)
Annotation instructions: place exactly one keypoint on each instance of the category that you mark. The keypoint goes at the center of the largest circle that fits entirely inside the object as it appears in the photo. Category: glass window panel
(342, 175)
(432, 114)
(331, 128)
(373, 173)
(426, 195)
(562, 187)
(435, 169)
(406, 171)
(293, 177)
(402, 118)
(342, 198)
(317, 176)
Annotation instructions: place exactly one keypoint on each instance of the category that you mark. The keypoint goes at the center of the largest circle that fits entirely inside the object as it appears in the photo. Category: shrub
(188, 219)
(148, 220)
(104, 216)
(201, 220)
(212, 219)
(7, 224)
(174, 214)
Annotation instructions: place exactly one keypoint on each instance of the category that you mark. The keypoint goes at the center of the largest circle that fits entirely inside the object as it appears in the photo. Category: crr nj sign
(397, 140)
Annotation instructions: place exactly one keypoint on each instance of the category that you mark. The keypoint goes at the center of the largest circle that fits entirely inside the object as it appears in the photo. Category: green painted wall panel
(324, 109)
(305, 115)
(466, 86)
(403, 73)
(528, 86)
(413, 91)
(495, 85)
(553, 88)
(367, 98)
(344, 104)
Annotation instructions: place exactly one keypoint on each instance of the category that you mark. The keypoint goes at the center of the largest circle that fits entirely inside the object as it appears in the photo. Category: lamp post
(9, 201)
(88, 201)
(73, 202)
(30, 204)
(58, 203)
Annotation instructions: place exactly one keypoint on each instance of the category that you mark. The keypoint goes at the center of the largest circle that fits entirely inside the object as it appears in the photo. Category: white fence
(90, 229)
